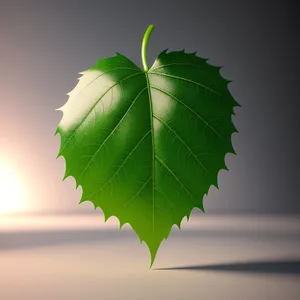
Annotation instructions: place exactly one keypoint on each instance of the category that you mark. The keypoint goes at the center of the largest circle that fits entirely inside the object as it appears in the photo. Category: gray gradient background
(44, 44)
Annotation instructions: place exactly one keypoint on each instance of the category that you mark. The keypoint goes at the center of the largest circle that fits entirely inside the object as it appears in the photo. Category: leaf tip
(153, 248)
(153, 255)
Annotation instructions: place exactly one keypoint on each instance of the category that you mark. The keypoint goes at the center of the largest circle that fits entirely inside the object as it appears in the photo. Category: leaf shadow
(279, 267)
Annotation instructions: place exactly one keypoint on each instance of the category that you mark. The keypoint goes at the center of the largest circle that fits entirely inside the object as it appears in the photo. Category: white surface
(78, 258)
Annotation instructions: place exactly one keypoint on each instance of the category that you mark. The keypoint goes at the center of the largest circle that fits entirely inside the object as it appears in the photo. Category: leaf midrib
(153, 151)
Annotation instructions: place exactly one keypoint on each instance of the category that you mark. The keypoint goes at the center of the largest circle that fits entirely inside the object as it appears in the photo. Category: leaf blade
(146, 146)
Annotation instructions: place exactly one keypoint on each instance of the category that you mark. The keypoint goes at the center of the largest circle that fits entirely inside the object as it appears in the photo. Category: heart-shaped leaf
(146, 145)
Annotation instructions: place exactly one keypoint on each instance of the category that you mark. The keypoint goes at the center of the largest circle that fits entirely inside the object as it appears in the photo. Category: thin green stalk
(144, 46)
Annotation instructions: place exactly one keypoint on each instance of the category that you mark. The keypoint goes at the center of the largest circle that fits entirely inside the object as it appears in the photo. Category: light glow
(12, 198)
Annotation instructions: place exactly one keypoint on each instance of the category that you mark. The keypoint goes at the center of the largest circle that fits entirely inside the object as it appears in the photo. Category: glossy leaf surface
(146, 146)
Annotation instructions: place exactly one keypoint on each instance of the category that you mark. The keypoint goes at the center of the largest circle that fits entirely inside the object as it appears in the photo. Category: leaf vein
(143, 186)
(124, 161)
(110, 134)
(97, 77)
(183, 142)
(175, 64)
(83, 120)
(187, 80)
(190, 109)
(174, 175)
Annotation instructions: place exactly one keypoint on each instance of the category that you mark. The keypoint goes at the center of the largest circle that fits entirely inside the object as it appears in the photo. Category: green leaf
(146, 145)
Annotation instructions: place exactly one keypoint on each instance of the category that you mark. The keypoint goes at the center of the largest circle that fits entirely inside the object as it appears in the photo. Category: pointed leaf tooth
(218, 68)
(164, 52)
(237, 104)
(223, 165)
(120, 55)
(107, 216)
(234, 129)
(59, 154)
(66, 175)
(189, 214)
(94, 204)
(231, 149)
(56, 131)
(168, 232)
(122, 224)
(161, 56)
(76, 184)
(200, 206)
(232, 111)
(183, 219)
(82, 199)
(215, 181)
(138, 234)
(180, 223)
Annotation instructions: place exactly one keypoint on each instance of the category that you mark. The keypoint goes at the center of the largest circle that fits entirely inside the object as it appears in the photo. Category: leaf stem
(144, 46)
